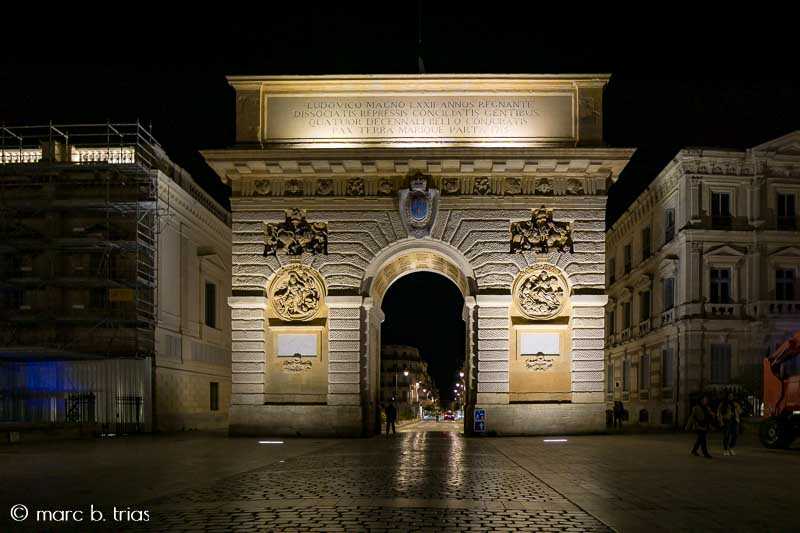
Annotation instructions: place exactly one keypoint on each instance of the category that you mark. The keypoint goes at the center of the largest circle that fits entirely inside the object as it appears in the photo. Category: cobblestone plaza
(412, 481)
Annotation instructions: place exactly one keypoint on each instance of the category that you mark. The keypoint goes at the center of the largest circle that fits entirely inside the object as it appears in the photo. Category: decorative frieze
(547, 182)
(538, 363)
(297, 364)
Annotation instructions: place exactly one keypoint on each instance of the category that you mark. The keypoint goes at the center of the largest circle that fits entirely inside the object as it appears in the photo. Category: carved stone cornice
(477, 185)
(249, 165)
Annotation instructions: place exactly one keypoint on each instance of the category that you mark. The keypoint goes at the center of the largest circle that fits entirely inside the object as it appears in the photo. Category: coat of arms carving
(540, 291)
(296, 293)
(541, 234)
(296, 235)
(418, 206)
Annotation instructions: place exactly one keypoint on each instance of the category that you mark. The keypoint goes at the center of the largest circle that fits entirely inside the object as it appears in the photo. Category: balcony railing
(726, 310)
(667, 317)
(626, 334)
(785, 307)
(721, 222)
(644, 326)
(787, 223)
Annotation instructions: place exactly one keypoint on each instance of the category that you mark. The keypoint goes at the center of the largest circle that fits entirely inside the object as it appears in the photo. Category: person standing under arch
(391, 417)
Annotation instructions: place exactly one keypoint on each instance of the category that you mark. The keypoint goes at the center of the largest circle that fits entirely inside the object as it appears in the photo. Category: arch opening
(423, 351)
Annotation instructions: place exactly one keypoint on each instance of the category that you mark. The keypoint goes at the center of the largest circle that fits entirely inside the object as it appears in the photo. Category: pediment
(726, 250)
(211, 257)
(788, 144)
(789, 251)
(668, 264)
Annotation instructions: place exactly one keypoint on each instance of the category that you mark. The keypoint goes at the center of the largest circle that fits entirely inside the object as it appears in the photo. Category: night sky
(681, 77)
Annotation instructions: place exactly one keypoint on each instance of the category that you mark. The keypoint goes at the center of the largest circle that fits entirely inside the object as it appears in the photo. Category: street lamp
(405, 373)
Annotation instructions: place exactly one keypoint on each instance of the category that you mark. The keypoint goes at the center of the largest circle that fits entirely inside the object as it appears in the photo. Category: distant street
(432, 425)
(413, 481)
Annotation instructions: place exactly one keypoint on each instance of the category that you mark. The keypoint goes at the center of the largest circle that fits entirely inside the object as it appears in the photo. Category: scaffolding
(80, 216)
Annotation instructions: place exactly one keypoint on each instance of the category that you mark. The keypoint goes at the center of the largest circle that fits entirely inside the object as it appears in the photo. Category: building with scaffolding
(114, 272)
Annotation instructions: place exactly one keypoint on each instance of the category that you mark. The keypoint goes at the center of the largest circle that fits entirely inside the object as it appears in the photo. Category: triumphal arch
(343, 184)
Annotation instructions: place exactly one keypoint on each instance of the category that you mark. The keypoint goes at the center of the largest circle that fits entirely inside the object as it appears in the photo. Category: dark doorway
(424, 320)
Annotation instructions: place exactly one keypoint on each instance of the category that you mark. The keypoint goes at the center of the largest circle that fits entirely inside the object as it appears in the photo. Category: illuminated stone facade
(404, 376)
(422, 173)
(702, 270)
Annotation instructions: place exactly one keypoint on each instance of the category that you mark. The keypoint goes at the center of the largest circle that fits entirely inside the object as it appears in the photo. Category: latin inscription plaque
(529, 118)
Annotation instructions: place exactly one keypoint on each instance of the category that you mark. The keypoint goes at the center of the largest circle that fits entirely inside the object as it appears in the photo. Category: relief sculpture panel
(296, 293)
(296, 235)
(540, 292)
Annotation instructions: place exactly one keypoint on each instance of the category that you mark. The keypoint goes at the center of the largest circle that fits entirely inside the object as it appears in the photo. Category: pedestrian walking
(729, 415)
(391, 416)
(619, 411)
(700, 421)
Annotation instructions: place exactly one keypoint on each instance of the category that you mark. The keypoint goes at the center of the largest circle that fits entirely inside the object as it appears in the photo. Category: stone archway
(502, 174)
(400, 260)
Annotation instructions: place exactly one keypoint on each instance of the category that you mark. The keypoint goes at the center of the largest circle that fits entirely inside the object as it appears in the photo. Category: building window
(666, 368)
(720, 363)
(97, 298)
(669, 225)
(646, 240)
(214, 396)
(784, 284)
(644, 372)
(720, 285)
(610, 374)
(211, 305)
(787, 216)
(720, 210)
(644, 306)
(669, 293)
(626, 315)
(612, 322)
(626, 370)
(627, 258)
(24, 299)
(612, 271)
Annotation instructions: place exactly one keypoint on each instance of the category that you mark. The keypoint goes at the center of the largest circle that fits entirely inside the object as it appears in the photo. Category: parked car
(449, 415)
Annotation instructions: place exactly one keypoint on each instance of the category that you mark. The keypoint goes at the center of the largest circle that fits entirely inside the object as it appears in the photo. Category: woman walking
(700, 422)
(729, 414)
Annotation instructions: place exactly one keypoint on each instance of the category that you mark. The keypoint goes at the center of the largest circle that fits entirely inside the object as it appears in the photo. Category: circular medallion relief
(540, 291)
(296, 293)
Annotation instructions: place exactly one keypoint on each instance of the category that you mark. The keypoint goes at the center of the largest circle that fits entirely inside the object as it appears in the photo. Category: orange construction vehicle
(782, 395)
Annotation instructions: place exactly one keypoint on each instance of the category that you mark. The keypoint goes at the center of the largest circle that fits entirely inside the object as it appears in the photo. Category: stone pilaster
(755, 200)
(588, 360)
(694, 201)
(471, 378)
(344, 350)
(248, 356)
(493, 348)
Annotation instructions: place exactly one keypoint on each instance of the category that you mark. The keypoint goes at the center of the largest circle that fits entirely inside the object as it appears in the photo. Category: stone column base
(295, 420)
(545, 419)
